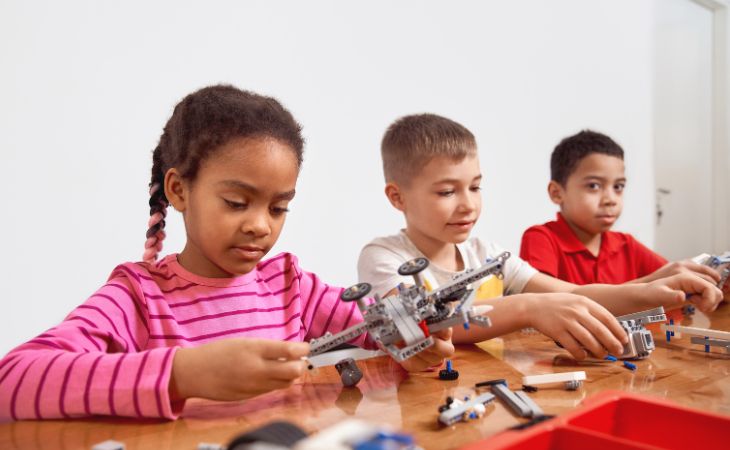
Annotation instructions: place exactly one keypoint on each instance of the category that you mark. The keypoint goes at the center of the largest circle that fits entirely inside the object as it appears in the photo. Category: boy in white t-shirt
(433, 177)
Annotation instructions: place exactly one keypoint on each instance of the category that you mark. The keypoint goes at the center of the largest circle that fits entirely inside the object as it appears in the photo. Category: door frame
(720, 140)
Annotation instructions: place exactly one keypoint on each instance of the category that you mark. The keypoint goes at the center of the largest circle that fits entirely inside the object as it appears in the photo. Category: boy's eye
(594, 186)
(235, 205)
(475, 188)
(445, 193)
(619, 187)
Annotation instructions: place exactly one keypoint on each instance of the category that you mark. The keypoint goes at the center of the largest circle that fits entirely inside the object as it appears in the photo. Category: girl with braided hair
(214, 321)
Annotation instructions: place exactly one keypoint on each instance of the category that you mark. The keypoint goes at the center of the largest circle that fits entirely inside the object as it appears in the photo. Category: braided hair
(200, 124)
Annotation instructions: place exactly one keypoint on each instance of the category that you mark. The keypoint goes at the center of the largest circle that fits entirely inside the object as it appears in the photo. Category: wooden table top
(679, 371)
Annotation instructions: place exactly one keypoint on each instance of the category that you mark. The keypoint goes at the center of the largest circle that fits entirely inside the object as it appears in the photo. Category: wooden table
(679, 371)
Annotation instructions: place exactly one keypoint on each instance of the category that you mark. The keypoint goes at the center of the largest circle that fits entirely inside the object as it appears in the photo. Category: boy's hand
(577, 323)
(234, 369)
(433, 356)
(675, 290)
(685, 266)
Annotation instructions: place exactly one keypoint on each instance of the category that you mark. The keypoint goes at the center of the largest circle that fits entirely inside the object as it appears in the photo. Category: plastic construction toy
(703, 336)
(720, 263)
(641, 343)
(518, 401)
(349, 372)
(109, 445)
(571, 380)
(454, 410)
(347, 434)
(412, 314)
(448, 374)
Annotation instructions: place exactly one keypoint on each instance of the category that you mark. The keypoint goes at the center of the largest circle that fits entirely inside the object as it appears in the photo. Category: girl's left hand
(434, 356)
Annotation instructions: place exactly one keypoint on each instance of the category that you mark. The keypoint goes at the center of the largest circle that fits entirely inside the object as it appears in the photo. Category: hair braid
(158, 210)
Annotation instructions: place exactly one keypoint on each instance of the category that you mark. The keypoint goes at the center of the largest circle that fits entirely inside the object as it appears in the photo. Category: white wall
(86, 86)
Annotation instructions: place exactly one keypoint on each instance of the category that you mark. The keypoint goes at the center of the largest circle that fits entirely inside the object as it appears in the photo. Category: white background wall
(86, 87)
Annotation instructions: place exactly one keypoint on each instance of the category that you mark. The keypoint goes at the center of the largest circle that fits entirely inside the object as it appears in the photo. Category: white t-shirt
(379, 261)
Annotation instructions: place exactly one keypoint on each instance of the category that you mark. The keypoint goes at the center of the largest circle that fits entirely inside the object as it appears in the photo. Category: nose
(467, 201)
(609, 197)
(257, 223)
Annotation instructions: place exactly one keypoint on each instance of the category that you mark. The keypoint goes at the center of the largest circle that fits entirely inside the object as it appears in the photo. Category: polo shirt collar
(569, 242)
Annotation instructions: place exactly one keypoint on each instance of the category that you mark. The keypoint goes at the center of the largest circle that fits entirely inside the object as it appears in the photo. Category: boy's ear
(555, 192)
(395, 196)
(175, 190)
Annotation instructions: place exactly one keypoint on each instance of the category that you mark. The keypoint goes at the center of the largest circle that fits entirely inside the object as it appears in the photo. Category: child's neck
(590, 240)
(442, 254)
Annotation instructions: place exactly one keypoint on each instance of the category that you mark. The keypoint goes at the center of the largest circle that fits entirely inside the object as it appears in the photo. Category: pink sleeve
(323, 311)
(93, 363)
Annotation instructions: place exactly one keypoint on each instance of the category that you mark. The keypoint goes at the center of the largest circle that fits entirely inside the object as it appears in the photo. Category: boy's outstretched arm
(670, 292)
(579, 324)
(678, 267)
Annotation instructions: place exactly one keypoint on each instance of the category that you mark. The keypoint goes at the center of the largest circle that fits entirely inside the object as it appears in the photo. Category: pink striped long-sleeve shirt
(113, 354)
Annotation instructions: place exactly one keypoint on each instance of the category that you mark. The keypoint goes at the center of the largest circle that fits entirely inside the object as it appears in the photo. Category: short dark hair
(412, 141)
(571, 150)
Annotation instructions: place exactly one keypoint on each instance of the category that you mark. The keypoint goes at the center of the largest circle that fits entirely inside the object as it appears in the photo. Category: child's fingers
(708, 300)
(444, 334)
(606, 341)
(285, 370)
(441, 348)
(586, 340)
(270, 349)
(567, 341)
(608, 321)
(705, 272)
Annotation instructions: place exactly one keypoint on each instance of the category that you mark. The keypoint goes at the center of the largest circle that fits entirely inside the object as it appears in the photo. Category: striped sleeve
(323, 311)
(91, 364)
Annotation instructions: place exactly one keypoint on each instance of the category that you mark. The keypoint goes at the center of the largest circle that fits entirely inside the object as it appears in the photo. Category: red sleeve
(539, 250)
(647, 262)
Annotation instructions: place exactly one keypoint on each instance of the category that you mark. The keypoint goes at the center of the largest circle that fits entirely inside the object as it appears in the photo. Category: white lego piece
(109, 445)
(534, 380)
(332, 358)
(693, 331)
(209, 446)
(482, 309)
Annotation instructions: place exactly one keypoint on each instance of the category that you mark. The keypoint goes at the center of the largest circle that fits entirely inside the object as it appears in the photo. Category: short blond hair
(413, 141)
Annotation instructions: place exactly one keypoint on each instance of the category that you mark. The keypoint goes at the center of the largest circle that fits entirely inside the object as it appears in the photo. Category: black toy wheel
(413, 266)
(355, 292)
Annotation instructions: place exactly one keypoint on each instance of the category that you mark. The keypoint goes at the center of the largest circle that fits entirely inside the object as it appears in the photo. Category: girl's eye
(279, 210)
(445, 193)
(475, 188)
(619, 187)
(235, 205)
(593, 186)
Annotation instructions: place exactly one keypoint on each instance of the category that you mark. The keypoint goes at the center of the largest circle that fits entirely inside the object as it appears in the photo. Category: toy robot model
(413, 314)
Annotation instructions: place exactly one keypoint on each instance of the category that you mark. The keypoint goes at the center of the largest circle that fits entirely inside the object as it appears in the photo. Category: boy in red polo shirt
(587, 182)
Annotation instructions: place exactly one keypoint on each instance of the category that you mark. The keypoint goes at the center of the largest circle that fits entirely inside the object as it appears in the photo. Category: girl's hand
(235, 369)
(578, 323)
(675, 290)
(433, 356)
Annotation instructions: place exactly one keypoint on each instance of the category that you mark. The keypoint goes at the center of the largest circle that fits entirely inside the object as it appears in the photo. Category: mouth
(249, 251)
(461, 224)
(606, 217)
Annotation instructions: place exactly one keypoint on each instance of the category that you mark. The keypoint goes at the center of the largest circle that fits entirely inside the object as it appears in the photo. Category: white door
(683, 128)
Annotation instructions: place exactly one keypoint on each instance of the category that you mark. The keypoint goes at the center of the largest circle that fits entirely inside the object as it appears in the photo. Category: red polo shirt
(554, 249)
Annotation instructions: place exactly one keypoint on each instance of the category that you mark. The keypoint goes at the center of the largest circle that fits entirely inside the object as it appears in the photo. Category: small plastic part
(528, 388)
(109, 445)
(572, 380)
(611, 358)
(209, 446)
(281, 433)
(629, 365)
(448, 374)
(350, 374)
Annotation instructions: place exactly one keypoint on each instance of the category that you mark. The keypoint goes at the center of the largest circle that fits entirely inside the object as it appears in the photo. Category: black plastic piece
(413, 266)
(355, 292)
(281, 433)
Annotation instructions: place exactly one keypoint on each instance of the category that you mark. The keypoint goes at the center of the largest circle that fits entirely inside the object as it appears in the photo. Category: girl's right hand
(235, 369)
(578, 323)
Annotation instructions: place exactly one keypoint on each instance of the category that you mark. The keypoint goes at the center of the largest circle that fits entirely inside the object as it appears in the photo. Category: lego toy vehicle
(641, 342)
(402, 323)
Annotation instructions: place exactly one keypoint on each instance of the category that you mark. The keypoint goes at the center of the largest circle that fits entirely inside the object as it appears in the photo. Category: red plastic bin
(620, 420)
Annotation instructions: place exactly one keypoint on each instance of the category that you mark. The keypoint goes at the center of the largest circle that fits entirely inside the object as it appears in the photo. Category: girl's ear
(175, 190)
(395, 196)
(555, 191)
